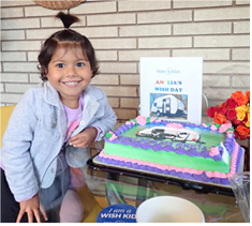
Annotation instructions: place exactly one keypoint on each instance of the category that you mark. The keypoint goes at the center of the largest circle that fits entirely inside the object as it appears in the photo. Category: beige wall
(122, 32)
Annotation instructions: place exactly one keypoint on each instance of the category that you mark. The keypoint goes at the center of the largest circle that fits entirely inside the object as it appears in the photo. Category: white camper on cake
(160, 133)
(168, 105)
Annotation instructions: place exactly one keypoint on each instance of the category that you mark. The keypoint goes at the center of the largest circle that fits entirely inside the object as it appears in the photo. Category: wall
(122, 32)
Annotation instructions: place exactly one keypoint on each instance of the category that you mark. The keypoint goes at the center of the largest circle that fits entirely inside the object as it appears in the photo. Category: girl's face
(69, 72)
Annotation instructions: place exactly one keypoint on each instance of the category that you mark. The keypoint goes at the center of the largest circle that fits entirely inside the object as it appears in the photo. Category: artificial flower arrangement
(236, 110)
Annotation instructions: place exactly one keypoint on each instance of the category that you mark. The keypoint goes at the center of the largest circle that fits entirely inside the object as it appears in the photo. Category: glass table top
(112, 188)
(98, 189)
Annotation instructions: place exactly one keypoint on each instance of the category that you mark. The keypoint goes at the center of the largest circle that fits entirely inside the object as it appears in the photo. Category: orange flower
(240, 98)
(224, 104)
(241, 112)
(219, 118)
(242, 130)
(248, 95)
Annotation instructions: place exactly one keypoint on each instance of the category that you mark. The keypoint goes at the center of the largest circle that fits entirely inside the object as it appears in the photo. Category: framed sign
(171, 88)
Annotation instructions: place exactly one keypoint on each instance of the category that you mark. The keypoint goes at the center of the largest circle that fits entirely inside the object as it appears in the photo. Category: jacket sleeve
(15, 155)
(107, 121)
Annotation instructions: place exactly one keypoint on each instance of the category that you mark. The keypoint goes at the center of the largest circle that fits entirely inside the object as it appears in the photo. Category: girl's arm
(15, 155)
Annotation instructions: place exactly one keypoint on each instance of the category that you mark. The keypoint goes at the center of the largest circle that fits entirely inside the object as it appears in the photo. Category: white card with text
(171, 88)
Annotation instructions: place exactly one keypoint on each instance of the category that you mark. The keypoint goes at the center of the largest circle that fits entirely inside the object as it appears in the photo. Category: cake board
(197, 186)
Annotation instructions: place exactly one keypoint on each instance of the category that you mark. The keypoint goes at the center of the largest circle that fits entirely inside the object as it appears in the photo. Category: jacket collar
(51, 95)
(94, 95)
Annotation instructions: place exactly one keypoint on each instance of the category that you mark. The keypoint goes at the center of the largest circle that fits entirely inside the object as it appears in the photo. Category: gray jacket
(36, 132)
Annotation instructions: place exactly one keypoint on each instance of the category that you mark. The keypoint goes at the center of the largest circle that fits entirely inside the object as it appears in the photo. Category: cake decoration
(175, 133)
(184, 150)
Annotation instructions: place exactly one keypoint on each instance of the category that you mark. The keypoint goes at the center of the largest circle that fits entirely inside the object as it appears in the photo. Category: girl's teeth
(71, 83)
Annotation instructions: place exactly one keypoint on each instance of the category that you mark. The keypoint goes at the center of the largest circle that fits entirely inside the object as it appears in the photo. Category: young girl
(52, 125)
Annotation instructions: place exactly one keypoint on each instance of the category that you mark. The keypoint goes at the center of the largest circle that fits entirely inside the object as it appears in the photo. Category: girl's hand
(31, 207)
(85, 138)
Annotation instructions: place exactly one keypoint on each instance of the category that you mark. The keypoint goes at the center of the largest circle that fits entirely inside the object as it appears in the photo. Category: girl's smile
(71, 84)
(69, 72)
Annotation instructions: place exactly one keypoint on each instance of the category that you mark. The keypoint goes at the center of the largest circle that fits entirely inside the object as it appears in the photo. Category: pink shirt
(74, 117)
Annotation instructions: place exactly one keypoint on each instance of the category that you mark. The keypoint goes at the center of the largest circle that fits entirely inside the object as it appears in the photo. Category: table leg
(141, 193)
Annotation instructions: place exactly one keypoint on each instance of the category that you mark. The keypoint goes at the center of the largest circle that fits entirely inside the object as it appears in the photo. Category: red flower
(231, 103)
(231, 114)
(242, 137)
(236, 121)
(236, 134)
(211, 111)
(245, 119)
(222, 110)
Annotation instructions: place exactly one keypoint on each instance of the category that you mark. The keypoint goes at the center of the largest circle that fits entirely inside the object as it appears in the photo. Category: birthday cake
(206, 153)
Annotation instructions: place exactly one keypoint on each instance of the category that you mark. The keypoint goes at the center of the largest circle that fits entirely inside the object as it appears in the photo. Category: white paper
(171, 88)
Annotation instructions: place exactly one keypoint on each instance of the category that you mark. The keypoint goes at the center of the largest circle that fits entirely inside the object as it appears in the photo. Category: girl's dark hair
(67, 37)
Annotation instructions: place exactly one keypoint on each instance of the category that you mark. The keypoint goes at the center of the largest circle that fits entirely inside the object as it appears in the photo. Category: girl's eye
(60, 65)
(80, 64)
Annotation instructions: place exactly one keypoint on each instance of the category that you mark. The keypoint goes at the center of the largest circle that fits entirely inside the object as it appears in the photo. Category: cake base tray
(198, 186)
